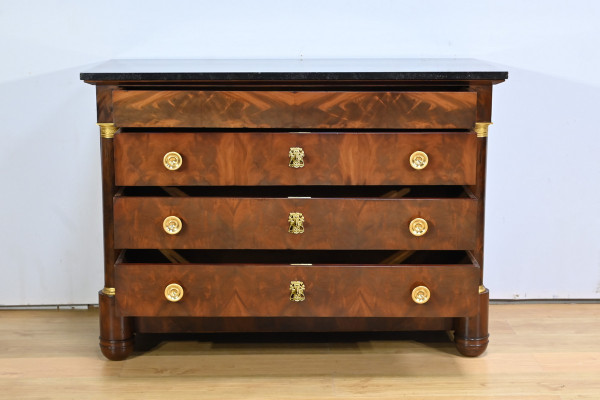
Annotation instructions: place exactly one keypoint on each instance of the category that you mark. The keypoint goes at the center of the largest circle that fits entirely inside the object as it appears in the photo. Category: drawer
(215, 158)
(265, 223)
(294, 109)
(320, 290)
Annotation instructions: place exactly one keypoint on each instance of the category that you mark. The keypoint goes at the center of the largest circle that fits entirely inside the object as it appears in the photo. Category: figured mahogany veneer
(261, 158)
(354, 132)
(295, 110)
(262, 223)
(229, 290)
(286, 324)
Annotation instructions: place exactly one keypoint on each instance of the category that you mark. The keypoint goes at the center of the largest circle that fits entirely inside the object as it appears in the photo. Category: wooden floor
(536, 352)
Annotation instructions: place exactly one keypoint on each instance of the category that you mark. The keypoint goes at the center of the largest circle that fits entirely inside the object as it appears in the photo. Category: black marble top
(296, 70)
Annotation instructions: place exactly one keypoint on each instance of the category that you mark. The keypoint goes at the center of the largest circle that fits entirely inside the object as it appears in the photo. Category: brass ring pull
(418, 227)
(297, 289)
(419, 160)
(172, 160)
(296, 157)
(172, 225)
(421, 294)
(174, 292)
(296, 221)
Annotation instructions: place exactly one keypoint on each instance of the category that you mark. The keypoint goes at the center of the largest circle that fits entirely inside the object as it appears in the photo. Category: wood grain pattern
(104, 104)
(262, 223)
(484, 114)
(471, 334)
(243, 158)
(116, 332)
(285, 324)
(539, 352)
(243, 290)
(294, 110)
(108, 192)
(361, 133)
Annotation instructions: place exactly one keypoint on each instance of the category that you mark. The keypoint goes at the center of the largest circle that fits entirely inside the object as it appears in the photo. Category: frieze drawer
(294, 109)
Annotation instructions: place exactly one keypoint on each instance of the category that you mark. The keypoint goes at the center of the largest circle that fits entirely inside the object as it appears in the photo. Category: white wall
(543, 224)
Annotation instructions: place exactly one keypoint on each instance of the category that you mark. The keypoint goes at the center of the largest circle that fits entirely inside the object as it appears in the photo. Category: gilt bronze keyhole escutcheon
(296, 221)
(297, 289)
(296, 157)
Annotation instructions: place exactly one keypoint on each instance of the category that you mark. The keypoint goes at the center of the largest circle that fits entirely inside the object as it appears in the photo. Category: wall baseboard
(57, 307)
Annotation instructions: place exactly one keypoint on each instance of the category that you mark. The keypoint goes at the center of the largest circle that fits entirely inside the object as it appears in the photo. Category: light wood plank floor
(536, 352)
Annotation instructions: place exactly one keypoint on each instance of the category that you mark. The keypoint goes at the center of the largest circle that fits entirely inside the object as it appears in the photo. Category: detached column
(116, 333)
(471, 334)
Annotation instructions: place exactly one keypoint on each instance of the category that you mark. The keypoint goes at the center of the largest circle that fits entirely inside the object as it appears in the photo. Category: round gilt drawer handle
(172, 160)
(174, 292)
(421, 294)
(418, 227)
(296, 157)
(419, 160)
(172, 225)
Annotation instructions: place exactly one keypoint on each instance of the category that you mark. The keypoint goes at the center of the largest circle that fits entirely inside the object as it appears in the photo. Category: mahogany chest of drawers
(273, 195)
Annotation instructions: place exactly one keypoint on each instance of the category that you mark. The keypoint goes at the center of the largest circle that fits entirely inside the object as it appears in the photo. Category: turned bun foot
(116, 333)
(116, 350)
(471, 334)
(471, 347)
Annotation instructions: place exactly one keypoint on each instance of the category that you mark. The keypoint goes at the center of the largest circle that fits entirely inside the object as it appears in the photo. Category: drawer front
(255, 223)
(294, 110)
(235, 290)
(264, 159)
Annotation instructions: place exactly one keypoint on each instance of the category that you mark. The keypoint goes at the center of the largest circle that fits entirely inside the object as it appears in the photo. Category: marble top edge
(295, 69)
